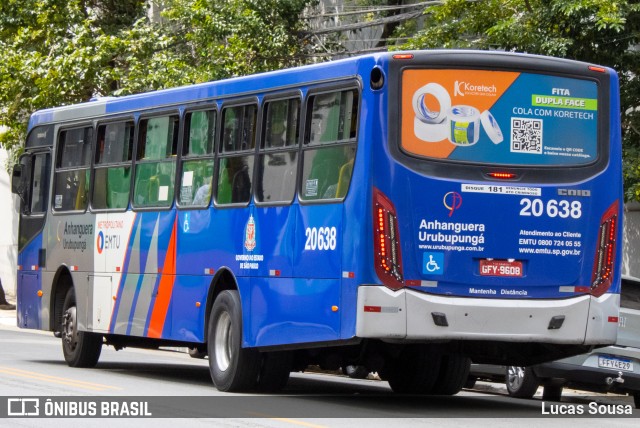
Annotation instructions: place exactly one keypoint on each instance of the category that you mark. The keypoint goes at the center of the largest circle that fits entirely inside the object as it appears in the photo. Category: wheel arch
(61, 284)
(223, 280)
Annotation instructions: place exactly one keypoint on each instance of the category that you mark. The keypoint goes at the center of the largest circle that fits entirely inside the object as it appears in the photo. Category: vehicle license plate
(615, 363)
(501, 268)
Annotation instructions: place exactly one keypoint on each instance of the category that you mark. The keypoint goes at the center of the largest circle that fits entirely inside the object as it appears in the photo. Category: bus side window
(112, 178)
(197, 155)
(330, 145)
(278, 160)
(73, 161)
(39, 183)
(236, 160)
(156, 162)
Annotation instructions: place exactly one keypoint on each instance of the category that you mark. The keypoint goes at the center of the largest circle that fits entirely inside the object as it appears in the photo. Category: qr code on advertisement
(526, 135)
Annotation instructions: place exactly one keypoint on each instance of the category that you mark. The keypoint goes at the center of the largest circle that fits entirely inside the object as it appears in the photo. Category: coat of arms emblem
(250, 235)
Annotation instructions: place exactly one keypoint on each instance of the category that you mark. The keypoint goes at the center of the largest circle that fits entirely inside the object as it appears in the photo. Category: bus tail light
(605, 256)
(388, 258)
(502, 175)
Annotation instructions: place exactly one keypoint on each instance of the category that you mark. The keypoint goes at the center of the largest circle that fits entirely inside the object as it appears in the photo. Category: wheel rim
(223, 341)
(69, 332)
(515, 377)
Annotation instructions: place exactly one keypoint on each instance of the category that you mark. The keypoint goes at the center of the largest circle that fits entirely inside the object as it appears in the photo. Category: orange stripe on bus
(161, 306)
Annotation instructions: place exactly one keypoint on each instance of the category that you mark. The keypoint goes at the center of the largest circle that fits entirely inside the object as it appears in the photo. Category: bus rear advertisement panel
(504, 237)
(374, 211)
(499, 117)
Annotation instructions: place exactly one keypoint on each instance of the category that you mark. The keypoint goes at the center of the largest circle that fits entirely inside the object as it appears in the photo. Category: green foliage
(59, 52)
(237, 37)
(599, 31)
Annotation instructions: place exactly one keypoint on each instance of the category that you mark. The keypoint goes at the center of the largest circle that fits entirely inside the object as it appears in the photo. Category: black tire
(80, 348)
(521, 382)
(232, 367)
(636, 399)
(552, 392)
(414, 371)
(454, 373)
(275, 370)
(470, 382)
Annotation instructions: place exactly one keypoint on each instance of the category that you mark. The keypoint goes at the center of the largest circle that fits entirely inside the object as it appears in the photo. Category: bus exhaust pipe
(610, 380)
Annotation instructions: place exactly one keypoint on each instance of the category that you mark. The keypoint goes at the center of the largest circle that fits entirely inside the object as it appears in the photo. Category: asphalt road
(173, 384)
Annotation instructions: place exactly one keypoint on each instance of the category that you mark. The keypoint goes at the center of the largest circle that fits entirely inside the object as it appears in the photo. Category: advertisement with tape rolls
(499, 117)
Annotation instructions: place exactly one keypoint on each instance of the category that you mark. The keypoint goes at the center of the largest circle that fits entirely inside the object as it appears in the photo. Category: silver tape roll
(464, 125)
(420, 107)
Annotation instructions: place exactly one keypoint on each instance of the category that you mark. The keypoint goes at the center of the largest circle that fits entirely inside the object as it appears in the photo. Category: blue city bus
(403, 212)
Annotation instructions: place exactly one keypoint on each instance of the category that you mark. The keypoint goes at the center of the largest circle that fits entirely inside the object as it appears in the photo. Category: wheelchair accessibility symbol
(433, 263)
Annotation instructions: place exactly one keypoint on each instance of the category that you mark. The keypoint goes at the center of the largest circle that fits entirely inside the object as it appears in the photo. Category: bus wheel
(415, 371)
(232, 367)
(275, 370)
(521, 382)
(80, 348)
(454, 373)
(470, 382)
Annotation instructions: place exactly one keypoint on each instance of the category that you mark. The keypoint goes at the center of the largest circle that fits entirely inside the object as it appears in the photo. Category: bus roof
(240, 86)
(236, 87)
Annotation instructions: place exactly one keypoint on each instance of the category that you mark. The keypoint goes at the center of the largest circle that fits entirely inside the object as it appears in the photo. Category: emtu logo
(452, 201)
(100, 242)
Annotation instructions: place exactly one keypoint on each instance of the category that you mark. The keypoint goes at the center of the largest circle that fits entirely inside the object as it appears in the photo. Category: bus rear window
(499, 117)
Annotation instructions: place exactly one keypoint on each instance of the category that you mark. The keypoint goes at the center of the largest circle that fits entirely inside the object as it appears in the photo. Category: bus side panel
(29, 310)
(150, 254)
(202, 235)
(357, 231)
(187, 308)
(293, 310)
(29, 305)
(275, 230)
(307, 245)
(318, 243)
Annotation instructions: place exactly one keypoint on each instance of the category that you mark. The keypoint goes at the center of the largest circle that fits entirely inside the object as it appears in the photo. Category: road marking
(57, 380)
(291, 421)
(297, 422)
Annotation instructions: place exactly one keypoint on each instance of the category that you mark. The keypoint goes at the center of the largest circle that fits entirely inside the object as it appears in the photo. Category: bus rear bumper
(411, 315)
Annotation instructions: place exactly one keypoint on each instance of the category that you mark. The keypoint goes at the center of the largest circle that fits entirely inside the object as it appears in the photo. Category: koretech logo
(462, 88)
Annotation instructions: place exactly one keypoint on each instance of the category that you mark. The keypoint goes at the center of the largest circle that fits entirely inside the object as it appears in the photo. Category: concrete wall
(631, 240)
(9, 231)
